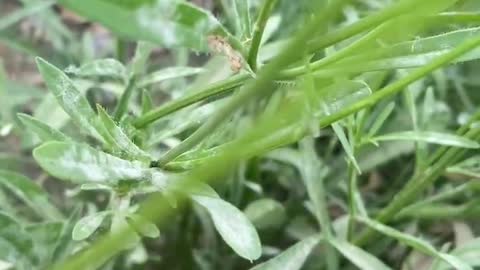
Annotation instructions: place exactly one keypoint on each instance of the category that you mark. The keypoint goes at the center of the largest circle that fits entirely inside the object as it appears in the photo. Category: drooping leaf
(143, 226)
(86, 226)
(81, 163)
(265, 213)
(30, 193)
(164, 22)
(42, 130)
(70, 99)
(416, 243)
(234, 227)
(110, 68)
(429, 137)
(357, 256)
(293, 258)
(119, 139)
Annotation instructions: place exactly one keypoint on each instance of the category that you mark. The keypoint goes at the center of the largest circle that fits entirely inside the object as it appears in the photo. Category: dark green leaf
(16, 246)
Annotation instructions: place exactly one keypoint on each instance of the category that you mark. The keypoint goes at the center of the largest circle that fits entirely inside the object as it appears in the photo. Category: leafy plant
(351, 125)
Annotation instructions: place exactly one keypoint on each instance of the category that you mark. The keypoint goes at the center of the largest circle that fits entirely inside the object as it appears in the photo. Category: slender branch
(211, 90)
(258, 29)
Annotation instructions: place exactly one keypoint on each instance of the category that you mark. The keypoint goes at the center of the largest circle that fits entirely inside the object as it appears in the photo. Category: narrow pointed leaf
(119, 139)
(357, 256)
(234, 227)
(86, 226)
(15, 244)
(429, 137)
(382, 117)
(293, 258)
(414, 242)
(70, 99)
(42, 130)
(30, 193)
(81, 163)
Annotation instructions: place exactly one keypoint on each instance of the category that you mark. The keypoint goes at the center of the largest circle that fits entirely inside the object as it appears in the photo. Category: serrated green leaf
(42, 130)
(86, 226)
(429, 137)
(265, 213)
(119, 139)
(234, 227)
(164, 22)
(30, 193)
(143, 226)
(357, 256)
(416, 243)
(293, 258)
(70, 99)
(110, 68)
(168, 74)
(81, 163)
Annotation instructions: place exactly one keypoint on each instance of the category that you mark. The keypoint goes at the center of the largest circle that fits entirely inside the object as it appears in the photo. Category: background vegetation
(235, 134)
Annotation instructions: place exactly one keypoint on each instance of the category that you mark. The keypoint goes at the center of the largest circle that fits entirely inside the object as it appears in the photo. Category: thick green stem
(258, 29)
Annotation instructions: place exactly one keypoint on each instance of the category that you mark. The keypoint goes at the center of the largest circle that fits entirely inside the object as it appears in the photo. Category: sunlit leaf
(429, 137)
(86, 226)
(293, 258)
(357, 256)
(81, 163)
(235, 229)
(70, 99)
(469, 167)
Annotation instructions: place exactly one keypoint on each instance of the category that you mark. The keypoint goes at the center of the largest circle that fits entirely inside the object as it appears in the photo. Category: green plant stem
(258, 29)
(122, 106)
(211, 90)
(261, 86)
